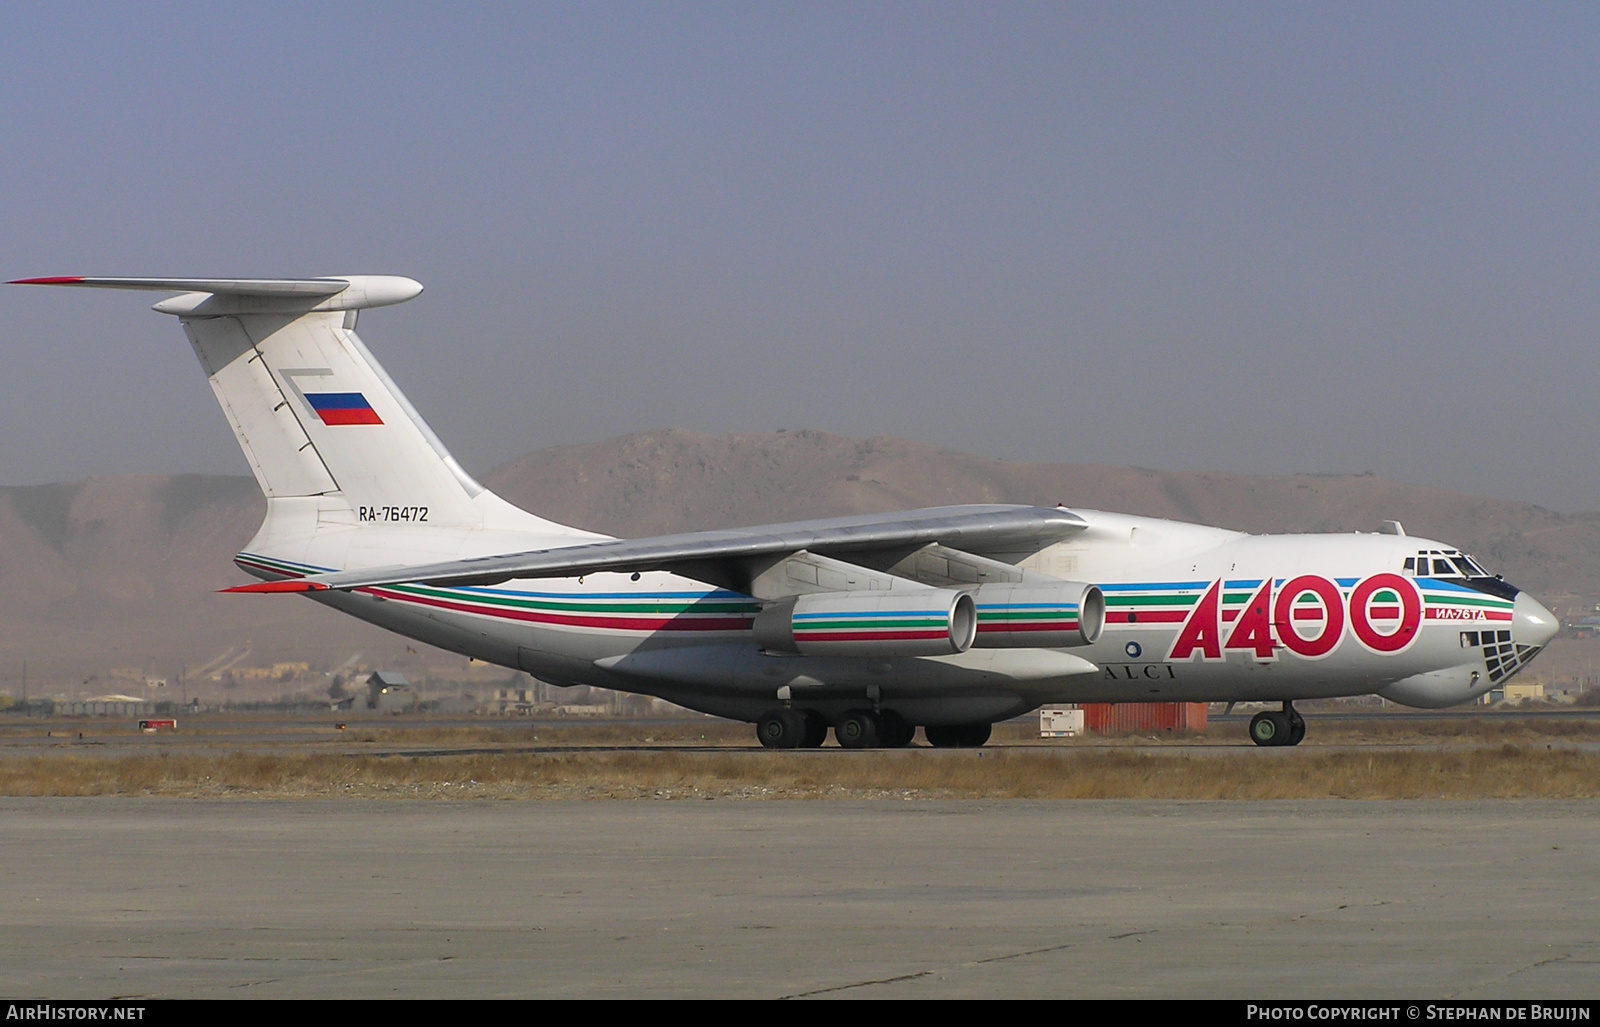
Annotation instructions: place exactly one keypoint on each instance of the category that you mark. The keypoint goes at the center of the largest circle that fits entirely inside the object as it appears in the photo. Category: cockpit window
(1444, 563)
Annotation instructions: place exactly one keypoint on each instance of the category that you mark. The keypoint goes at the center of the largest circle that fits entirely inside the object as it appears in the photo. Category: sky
(1255, 238)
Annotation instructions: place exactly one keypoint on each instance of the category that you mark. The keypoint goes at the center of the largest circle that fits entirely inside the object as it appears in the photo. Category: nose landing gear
(1275, 728)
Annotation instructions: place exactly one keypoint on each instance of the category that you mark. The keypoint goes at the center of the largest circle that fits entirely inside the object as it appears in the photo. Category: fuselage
(1192, 614)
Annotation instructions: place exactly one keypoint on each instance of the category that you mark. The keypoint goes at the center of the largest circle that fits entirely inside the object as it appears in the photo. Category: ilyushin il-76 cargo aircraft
(948, 619)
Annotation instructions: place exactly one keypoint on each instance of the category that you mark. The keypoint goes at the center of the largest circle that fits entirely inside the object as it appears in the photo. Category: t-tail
(352, 474)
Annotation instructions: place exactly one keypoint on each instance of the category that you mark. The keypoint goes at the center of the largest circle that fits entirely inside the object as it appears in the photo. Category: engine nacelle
(1039, 616)
(914, 622)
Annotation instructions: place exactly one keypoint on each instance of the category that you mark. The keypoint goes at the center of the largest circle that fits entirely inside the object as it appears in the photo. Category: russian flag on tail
(343, 408)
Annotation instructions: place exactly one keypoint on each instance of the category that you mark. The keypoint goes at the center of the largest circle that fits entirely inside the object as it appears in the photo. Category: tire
(1269, 729)
(957, 736)
(857, 729)
(894, 731)
(781, 729)
(975, 736)
(1297, 731)
(816, 731)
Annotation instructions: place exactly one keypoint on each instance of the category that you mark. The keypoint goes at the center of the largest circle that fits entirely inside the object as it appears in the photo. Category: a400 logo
(1307, 615)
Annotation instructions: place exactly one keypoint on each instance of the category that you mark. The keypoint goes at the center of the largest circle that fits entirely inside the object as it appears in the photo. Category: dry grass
(1381, 730)
(1510, 771)
(546, 733)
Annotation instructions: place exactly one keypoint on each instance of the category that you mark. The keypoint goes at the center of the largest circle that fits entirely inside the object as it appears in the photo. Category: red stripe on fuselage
(1147, 617)
(681, 622)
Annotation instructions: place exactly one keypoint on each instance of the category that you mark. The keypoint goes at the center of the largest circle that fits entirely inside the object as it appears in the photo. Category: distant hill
(122, 572)
(670, 480)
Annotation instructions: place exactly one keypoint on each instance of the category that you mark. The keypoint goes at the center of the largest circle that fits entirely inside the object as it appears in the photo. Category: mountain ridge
(123, 571)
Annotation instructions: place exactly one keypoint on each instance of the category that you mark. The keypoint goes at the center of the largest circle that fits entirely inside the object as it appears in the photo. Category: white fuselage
(1192, 614)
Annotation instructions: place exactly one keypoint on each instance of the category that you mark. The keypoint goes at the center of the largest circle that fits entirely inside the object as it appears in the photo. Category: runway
(446, 899)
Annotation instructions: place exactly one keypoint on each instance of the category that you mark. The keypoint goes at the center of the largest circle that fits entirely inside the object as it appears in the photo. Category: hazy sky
(1260, 238)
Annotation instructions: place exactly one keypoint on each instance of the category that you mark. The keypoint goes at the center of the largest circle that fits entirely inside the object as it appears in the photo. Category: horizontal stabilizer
(207, 297)
(237, 286)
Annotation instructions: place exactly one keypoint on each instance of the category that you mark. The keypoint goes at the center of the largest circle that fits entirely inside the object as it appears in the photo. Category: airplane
(949, 619)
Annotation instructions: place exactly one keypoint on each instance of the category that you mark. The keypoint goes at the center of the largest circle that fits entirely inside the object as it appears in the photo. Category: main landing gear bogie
(1285, 727)
(856, 729)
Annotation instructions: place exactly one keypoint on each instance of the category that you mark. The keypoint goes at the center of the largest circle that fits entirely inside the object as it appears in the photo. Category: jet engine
(1039, 616)
(912, 622)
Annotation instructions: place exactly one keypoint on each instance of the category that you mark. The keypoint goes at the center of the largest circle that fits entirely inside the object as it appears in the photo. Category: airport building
(105, 706)
(389, 691)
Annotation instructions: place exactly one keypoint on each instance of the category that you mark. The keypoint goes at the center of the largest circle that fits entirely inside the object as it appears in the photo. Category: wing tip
(55, 280)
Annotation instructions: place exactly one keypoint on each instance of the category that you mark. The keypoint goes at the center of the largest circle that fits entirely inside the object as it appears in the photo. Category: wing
(733, 556)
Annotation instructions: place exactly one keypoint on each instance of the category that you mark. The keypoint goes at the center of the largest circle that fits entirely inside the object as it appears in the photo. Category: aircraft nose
(1531, 623)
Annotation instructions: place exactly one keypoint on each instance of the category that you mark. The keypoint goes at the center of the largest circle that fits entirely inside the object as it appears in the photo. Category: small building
(517, 702)
(583, 710)
(1060, 722)
(1520, 693)
(389, 692)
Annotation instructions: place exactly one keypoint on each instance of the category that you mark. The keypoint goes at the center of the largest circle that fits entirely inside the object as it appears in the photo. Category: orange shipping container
(1140, 718)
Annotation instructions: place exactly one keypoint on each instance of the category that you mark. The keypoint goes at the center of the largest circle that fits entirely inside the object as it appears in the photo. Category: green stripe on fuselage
(865, 624)
(1457, 599)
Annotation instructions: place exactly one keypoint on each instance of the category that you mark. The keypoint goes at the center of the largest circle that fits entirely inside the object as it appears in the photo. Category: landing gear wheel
(781, 729)
(816, 731)
(974, 736)
(857, 729)
(1270, 729)
(957, 736)
(1297, 729)
(894, 731)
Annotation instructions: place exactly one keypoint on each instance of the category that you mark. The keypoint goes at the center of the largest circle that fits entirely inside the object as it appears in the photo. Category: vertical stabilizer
(316, 415)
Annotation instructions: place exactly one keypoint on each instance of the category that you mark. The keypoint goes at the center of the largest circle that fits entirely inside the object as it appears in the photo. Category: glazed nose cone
(1531, 623)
